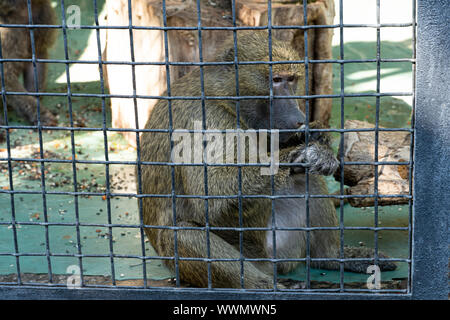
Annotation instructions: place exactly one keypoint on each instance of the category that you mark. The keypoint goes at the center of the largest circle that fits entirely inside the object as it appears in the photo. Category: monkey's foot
(48, 118)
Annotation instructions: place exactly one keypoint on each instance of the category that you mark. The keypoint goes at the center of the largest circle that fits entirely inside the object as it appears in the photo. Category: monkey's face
(286, 80)
(286, 112)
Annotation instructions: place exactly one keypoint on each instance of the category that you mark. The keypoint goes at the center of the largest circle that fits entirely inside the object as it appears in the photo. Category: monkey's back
(156, 147)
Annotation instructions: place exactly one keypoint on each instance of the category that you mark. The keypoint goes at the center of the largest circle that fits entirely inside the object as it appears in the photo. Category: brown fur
(16, 44)
(223, 181)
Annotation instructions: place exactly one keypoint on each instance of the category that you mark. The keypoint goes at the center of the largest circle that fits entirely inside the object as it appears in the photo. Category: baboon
(288, 79)
(16, 44)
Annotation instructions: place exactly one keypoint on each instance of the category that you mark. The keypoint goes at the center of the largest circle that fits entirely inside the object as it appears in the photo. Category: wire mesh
(240, 196)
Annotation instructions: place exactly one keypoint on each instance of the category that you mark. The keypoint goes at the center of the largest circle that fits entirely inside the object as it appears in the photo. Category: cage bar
(427, 228)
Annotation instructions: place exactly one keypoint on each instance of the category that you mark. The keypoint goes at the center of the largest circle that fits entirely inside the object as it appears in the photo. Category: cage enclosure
(117, 176)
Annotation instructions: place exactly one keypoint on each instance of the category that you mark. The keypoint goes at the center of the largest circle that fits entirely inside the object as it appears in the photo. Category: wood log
(393, 146)
(284, 13)
(150, 80)
(184, 44)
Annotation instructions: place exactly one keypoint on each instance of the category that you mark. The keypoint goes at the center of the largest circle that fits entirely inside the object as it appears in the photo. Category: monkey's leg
(25, 106)
(28, 77)
(224, 274)
(43, 40)
(325, 244)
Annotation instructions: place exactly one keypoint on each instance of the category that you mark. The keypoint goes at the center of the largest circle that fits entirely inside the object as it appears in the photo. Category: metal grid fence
(32, 289)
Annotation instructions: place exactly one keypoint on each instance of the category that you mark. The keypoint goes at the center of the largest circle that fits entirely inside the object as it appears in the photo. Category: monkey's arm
(318, 136)
(224, 181)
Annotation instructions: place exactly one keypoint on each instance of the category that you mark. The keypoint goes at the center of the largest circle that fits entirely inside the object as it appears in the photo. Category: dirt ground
(89, 281)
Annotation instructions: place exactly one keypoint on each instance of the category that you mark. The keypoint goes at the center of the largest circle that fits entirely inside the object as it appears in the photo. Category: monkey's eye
(277, 79)
(291, 78)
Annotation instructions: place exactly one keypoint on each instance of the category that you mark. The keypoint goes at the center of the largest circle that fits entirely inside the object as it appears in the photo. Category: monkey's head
(254, 80)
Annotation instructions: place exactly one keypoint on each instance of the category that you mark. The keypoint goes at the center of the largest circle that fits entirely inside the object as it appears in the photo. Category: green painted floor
(127, 241)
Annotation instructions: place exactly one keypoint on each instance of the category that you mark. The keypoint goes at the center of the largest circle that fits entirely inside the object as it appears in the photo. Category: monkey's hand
(317, 157)
(321, 137)
(318, 136)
